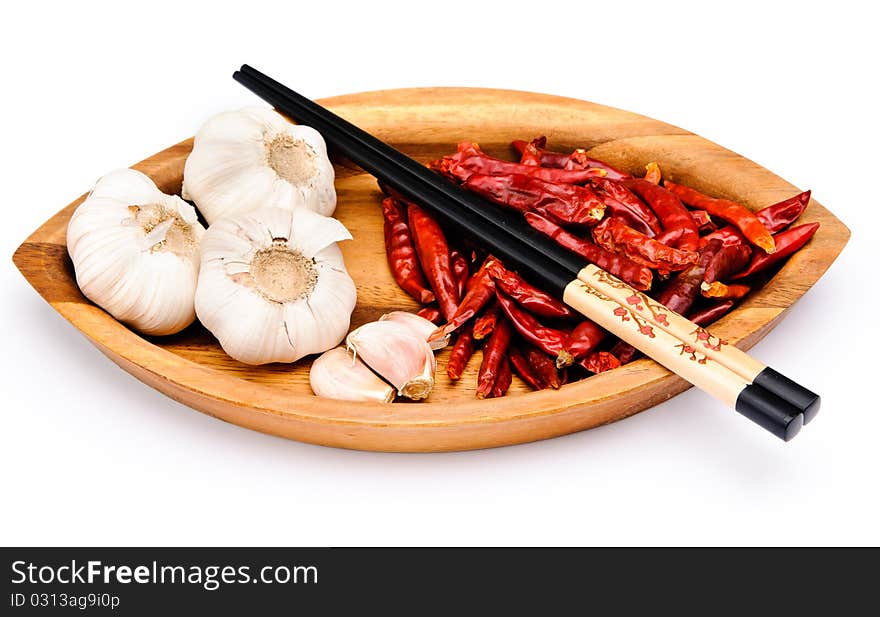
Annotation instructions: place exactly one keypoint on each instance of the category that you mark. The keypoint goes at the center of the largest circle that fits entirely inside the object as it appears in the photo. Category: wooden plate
(425, 123)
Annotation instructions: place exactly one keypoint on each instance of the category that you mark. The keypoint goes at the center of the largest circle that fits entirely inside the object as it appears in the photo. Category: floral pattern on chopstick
(706, 339)
(639, 304)
(638, 300)
(625, 313)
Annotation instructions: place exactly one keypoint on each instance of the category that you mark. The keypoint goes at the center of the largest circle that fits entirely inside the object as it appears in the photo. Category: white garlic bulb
(273, 286)
(255, 158)
(339, 375)
(135, 251)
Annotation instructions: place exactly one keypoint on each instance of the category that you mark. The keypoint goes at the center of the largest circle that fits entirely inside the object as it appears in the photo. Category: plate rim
(233, 398)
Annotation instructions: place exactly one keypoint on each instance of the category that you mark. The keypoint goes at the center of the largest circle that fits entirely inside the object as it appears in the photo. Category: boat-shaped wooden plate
(426, 123)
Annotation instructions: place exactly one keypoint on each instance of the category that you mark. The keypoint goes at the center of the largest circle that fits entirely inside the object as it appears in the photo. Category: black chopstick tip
(794, 427)
(806, 401)
(769, 411)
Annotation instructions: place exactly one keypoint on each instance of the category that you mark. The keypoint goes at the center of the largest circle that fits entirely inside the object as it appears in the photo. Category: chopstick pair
(692, 352)
(765, 396)
(707, 344)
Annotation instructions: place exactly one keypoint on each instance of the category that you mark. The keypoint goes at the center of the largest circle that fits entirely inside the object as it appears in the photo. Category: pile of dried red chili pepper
(696, 254)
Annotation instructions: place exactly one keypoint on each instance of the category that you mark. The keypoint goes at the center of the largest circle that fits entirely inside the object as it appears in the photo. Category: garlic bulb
(418, 325)
(254, 158)
(397, 354)
(339, 375)
(273, 286)
(135, 251)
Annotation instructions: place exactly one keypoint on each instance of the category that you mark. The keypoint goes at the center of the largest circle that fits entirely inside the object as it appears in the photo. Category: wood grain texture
(426, 123)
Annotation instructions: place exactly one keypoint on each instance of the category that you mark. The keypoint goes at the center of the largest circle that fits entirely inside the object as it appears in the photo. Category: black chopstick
(533, 254)
(515, 241)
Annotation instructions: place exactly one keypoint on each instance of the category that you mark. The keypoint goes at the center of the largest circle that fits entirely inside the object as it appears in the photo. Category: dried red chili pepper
(652, 173)
(711, 314)
(635, 274)
(522, 367)
(504, 379)
(580, 342)
(704, 222)
(669, 238)
(402, 258)
(549, 340)
(624, 352)
(580, 160)
(616, 236)
(563, 376)
(724, 292)
(494, 352)
(565, 203)
(681, 292)
(460, 269)
(431, 313)
(727, 261)
(668, 207)
(622, 202)
(534, 300)
(787, 242)
(480, 290)
(544, 368)
(732, 212)
(559, 160)
(433, 252)
(485, 323)
(728, 235)
(549, 158)
(775, 218)
(780, 215)
(470, 160)
(461, 352)
(531, 153)
(600, 361)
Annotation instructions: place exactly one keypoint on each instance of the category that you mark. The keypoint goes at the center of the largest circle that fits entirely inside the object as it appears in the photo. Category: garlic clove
(337, 374)
(419, 326)
(273, 285)
(256, 336)
(332, 301)
(397, 354)
(253, 158)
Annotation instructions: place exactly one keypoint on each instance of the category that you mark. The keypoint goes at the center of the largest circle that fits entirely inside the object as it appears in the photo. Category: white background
(89, 455)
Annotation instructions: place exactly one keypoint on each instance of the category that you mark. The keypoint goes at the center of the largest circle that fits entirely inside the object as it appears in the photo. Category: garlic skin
(135, 251)
(273, 286)
(419, 326)
(255, 158)
(339, 375)
(401, 357)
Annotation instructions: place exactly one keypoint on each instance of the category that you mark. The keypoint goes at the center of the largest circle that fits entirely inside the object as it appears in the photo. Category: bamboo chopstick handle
(687, 358)
(642, 307)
